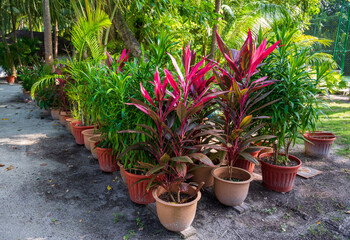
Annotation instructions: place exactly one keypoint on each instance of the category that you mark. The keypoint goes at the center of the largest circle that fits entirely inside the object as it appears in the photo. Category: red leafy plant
(119, 63)
(243, 92)
(174, 141)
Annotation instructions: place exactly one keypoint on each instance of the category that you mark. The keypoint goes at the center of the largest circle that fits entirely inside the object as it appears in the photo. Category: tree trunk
(56, 40)
(47, 33)
(127, 35)
(13, 20)
(215, 28)
(30, 21)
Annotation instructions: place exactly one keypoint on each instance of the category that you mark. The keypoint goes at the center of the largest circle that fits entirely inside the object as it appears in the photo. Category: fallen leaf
(318, 222)
(81, 220)
(113, 180)
(94, 181)
(14, 147)
(43, 164)
(50, 180)
(109, 188)
(4, 119)
(52, 185)
(2, 165)
(347, 212)
(10, 168)
(55, 124)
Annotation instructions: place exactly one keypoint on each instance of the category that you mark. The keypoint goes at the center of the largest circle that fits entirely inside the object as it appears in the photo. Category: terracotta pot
(231, 193)
(62, 117)
(79, 138)
(137, 192)
(122, 172)
(107, 159)
(93, 140)
(68, 124)
(202, 174)
(55, 114)
(176, 217)
(321, 143)
(245, 164)
(87, 134)
(279, 178)
(10, 79)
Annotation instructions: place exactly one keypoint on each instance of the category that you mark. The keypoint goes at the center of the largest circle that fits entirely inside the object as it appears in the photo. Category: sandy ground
(56, 191)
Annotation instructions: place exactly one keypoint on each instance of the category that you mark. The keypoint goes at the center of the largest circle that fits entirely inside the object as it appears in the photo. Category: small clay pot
(93, 141)
(68, 124)
(79, 138)
(321, 143)
(245, 164)
(87, 134)
(107, 159)
(231, 193)
(202, 173)
(122, 172)
(62, 117)
(10, 79)
(279, 178)
(176, 217)
(55, 114)
(137, 191)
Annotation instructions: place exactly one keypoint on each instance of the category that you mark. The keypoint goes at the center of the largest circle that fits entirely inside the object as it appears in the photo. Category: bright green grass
(338, 122)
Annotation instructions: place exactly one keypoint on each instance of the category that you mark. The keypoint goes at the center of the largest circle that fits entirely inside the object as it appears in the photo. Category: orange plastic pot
(62, 117)
(122, 172)
(321, 143)
(79, 138)
(69, 125)
(93, 140)
(10, 79)
(107, 159)
(137, 191)
(279, 178)
(245, 164)
(87, 134)
(176, 217)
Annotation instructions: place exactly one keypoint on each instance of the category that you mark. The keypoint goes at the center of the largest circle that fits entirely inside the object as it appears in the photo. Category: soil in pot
(175, 217)
(107, 159)
(137, 191)
(279, 178)
(231, 193)
(77, 131)
(321, 143)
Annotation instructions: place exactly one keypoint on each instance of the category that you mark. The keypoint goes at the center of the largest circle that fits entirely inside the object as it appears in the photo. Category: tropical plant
(29, 75)
(173, 140)
(243, 92)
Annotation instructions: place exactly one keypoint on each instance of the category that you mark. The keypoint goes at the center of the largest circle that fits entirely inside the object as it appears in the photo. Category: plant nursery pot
(202, 174)
(137, 192)
(55, 114)
(231, 193)
(321, 143)
(279, 178)
(69, 125)
(79, 138)
(122, 172)
(107, 159)
(175, 217)
(245, 164)
(62, 117)
(87, 134)
(93, 140)
(10, 79)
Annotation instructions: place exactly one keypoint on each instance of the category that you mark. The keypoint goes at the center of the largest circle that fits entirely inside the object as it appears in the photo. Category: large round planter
(79, 138)
(176, 217)
(87, 134)
(55, 114)
(107, 159)
(122, 172)
(202, 173)
(10, 79)
(93, 141)
(137, 191)
(62, 117)
(279, 178)
(231, 193)
(321, 143)
(245, 164)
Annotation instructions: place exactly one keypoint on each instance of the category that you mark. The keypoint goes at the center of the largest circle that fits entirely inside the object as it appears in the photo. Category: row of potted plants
(209, 123)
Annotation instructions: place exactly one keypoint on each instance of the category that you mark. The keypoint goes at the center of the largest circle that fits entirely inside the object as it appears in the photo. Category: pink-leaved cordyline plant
(243, 92)
(120, 62)
(174, 140)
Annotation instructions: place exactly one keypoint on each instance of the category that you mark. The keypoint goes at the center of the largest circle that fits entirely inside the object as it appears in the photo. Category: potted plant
(173, 142)
(296, 109)
(237, 105)
(318, 143)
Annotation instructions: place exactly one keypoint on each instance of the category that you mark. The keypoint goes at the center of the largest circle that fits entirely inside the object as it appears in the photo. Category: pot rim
(85, 132)
(313, 136)
(155, 196)
(240, 169)
(296, 159)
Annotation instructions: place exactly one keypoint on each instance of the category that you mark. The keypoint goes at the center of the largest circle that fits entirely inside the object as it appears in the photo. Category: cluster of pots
(178, 217)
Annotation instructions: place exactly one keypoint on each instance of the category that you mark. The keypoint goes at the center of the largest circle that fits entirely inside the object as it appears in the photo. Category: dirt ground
(56, 191)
